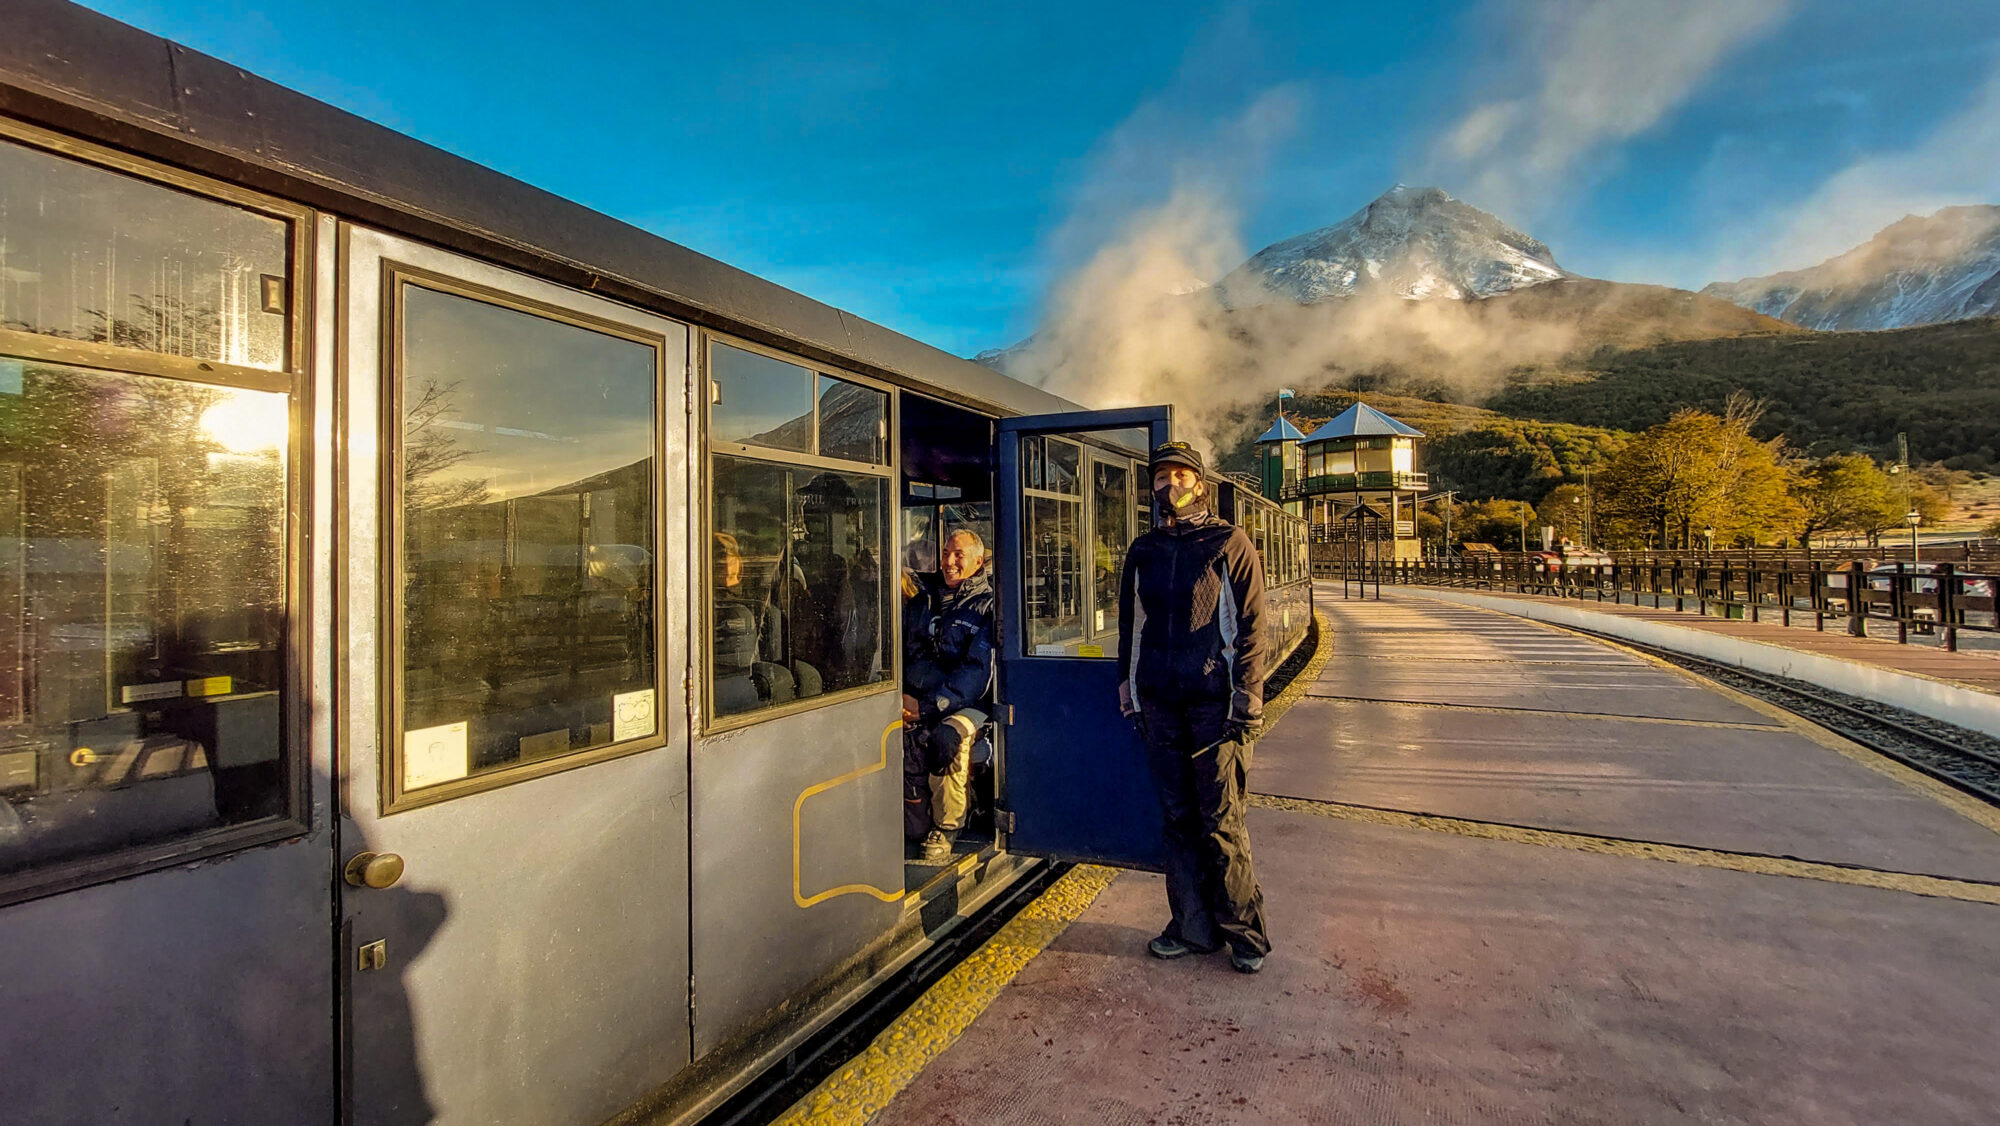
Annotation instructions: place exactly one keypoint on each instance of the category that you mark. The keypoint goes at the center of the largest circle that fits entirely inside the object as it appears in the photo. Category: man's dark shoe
(937, 847)
(1165, 947)
(1246, 963)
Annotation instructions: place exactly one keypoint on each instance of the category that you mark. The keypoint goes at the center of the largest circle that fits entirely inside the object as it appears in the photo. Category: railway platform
(1960, 687)
(1513, 875)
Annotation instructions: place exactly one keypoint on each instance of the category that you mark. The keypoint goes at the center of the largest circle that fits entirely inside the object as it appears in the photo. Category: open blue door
(1071, 493)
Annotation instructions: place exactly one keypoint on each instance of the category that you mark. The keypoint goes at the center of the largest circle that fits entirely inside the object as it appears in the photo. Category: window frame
(1095, 450)
(393, 798)
(702, 566)
(294, 380)
(135, 361)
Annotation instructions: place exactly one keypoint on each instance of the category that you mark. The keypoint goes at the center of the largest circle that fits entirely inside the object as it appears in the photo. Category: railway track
(1964, 759)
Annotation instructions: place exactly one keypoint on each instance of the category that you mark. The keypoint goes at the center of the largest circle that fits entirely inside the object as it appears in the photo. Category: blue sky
(938, 168)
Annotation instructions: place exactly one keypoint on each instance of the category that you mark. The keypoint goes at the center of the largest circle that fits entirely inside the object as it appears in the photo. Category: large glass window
(142, 606)
(528, 624)
(87, 254)
(801, 554)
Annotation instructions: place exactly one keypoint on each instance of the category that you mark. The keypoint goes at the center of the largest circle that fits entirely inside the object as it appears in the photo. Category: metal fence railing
(1920, 597)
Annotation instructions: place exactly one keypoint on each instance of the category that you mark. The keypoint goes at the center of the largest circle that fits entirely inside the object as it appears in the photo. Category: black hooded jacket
(1191, 610)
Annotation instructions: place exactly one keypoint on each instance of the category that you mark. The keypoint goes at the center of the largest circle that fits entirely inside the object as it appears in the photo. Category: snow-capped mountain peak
(1412, 242)
(1917, 270)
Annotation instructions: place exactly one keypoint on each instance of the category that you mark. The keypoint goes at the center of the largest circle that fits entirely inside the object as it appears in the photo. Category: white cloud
(1585, 75)
(1956, 162)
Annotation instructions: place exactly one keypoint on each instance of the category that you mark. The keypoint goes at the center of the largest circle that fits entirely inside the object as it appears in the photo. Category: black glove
(1246, 717)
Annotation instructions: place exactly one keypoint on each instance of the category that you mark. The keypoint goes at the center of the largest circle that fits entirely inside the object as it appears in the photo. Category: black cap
(1175, 453)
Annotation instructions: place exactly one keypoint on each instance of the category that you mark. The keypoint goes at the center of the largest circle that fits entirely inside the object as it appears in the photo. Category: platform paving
(1976, 668)
(1567, 972)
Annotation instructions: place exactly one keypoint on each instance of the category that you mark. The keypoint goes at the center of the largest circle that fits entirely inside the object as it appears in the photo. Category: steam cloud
(1132, 319)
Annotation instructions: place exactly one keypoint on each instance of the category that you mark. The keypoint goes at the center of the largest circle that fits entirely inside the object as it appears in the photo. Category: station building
(1355, 479)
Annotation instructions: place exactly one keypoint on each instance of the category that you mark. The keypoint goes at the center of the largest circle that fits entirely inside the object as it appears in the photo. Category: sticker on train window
(210, 686)
(435, 754)
(1090, 650)
(138, 693)
(631, 715)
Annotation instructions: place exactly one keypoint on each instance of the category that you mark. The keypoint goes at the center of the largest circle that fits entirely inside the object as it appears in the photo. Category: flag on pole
(1285, 393)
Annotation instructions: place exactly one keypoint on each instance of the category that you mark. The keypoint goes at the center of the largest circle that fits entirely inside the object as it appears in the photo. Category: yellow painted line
(1933, 886)
(863, 1088)
(798, 892)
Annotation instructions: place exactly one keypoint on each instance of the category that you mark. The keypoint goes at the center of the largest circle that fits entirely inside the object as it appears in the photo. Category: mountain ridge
(1919, 270)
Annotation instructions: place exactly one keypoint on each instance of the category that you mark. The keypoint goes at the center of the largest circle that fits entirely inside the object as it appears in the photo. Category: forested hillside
(1825, 392)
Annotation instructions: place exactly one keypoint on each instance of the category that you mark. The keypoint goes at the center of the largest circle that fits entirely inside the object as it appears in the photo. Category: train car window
(803, 549)
(853, 422)
(142, 580)
(756, 400)
(528, 626)
(146, 360)
(799, 606)
(92, 255)
(1111, 534)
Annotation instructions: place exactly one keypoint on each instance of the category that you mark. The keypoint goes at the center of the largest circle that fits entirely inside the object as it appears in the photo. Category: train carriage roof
(74, 70)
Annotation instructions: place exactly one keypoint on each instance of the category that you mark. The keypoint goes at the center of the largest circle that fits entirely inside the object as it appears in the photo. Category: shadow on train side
(403, 919)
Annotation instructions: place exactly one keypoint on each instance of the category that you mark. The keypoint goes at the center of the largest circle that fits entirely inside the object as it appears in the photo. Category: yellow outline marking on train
(798, 891)
(870, 1081)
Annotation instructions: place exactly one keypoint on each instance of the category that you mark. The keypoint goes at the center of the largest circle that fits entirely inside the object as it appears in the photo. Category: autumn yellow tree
(1695, 475)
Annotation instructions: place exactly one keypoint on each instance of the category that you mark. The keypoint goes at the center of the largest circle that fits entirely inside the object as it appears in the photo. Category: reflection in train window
(1052, 587)
(756, 400)
(142, 580)
(1111, 535)
(853, 422)
(800, 600)
(528, 619)
(92, 255)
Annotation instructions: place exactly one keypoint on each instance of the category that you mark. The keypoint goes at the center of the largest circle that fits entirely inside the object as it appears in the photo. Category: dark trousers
(1211, 886)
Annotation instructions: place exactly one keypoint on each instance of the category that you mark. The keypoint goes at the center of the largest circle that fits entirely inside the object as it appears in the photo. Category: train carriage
(453, 638)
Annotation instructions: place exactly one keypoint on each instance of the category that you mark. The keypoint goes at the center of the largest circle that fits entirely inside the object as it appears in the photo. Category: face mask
(1178, 502)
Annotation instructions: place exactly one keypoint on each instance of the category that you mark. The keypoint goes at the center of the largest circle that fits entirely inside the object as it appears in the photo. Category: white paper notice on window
(631, 715)
(434, 754)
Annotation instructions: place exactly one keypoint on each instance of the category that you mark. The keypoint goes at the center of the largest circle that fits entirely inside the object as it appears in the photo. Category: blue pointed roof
(1362, 421)
(1282, 431)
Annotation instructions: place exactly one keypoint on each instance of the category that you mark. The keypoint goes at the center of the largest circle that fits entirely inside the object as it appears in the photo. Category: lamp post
(1915, 518)
(1708, 537)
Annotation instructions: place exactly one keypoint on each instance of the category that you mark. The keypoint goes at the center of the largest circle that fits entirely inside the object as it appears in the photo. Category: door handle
(374, 869)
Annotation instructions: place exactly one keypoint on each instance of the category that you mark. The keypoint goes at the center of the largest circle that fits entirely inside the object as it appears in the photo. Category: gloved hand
(1128, 706)
(1246, 716)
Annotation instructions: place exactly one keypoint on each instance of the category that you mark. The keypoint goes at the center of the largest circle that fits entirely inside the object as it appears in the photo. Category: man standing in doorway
(947, 674)
(1191, 659)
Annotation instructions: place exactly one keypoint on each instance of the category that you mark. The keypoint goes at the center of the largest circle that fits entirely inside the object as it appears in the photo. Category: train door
(513, 774)
(165, 854)
(1070, 496)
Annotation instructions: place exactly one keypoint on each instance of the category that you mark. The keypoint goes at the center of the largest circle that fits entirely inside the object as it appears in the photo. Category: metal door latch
(374, 955)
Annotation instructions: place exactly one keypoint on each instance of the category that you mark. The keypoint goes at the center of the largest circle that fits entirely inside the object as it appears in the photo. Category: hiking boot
(1246, 963)
(1165, 947)
(937, 847)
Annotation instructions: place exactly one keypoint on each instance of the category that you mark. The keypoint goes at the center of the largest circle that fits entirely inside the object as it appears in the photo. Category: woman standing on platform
(1191, 660)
